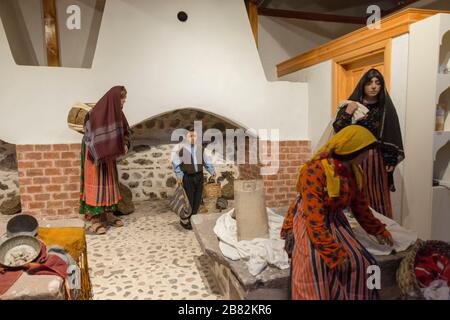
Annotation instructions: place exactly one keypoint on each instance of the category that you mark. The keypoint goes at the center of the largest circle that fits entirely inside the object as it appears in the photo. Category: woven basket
(210, 204)
(77, 116)
(406, 277)
(212, 189)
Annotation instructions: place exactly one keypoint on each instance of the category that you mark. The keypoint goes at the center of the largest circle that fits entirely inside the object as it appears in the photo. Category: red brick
(53, 172)
(75, 147)
(43, 147)
(49, 212)
(271, 190)
(76, 163)
(33, 156)
(61, 147)
(53, 188)
(295, 163)
(295, 150)
(19, 156)
(34, 172)
(52, 155)
(42, 197)
(35, 189)
(74, 195)
(60, 196)
(26, 198)
(74, 179)
(55, 204)
(44, 164)
(25, 164)
(268, 183)
(63, 163)
(283, 189)
(72, 172)
(24, 148)
(69, 155)
(71, 204)
(21, 174)
(279, 183)
(41, 180)
(36, 205)
(71, 187)
(65, 212)
(25, 181)
(59, 180)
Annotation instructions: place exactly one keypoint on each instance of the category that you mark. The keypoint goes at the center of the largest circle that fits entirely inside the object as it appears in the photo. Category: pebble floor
(151, 258)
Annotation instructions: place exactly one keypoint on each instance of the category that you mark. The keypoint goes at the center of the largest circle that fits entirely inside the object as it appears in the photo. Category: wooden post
(51, 33)
(252, 10)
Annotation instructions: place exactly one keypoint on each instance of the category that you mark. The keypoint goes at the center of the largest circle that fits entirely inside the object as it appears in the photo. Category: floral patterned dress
(324, 238)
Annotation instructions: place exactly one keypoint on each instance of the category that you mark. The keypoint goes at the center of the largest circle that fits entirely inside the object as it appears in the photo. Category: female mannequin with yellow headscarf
(328, 262)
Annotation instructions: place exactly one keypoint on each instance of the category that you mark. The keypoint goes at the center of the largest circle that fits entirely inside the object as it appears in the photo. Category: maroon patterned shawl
(106, 128)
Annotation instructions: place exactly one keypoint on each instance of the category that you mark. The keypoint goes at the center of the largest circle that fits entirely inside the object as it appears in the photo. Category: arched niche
(147, 169)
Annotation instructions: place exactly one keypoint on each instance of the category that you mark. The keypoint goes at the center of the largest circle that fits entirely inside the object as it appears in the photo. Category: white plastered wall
(206, 63)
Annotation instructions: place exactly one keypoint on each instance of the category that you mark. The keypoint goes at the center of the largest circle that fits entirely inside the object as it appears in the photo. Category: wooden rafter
(310, 16)
(51, 33)
(252, 10)
(400, 5)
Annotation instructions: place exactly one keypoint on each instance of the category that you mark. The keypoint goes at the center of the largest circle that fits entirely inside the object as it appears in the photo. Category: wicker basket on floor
(406, 277)
(212, 189)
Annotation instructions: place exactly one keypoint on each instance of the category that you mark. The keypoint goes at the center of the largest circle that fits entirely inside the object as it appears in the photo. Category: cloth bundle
(329, 131)
(180, 204)
(257, 253)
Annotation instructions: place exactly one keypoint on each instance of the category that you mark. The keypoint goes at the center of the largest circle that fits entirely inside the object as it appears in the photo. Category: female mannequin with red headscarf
(107, 136)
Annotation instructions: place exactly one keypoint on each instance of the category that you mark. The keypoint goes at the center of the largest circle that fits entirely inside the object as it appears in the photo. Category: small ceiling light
(182, 16)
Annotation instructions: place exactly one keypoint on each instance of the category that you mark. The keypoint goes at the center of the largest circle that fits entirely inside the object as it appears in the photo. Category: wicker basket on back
(406, 277)
(77, 116)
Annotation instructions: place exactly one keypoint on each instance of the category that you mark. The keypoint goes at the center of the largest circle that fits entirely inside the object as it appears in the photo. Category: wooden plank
(51, 33)
(269, 12)
(252, 9)
(392, 26)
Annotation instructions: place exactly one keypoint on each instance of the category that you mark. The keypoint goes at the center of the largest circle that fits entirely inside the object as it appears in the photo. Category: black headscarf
(390, 135)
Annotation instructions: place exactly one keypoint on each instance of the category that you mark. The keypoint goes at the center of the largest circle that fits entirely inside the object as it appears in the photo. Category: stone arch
(147, 169)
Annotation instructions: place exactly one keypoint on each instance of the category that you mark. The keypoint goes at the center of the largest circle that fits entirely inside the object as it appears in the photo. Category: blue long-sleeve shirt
(176, 161)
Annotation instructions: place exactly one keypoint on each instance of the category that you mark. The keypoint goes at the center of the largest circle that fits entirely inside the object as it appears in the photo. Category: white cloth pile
(437, 290)
(259, 253)
(403, 238)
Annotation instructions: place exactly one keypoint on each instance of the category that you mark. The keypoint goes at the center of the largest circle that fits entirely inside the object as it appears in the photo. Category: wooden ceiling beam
(51, 33)
(310, 16)
(400, 5)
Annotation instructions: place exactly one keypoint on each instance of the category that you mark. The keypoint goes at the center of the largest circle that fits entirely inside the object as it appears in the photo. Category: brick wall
(49, 179)
(280, 187)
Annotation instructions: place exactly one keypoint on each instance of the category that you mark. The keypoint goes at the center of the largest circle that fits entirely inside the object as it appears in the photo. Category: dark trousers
(193, 185)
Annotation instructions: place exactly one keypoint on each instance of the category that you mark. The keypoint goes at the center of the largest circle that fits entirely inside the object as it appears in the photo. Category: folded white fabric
(257, 253)
(437, 290)
(359, 113)
(403, 238)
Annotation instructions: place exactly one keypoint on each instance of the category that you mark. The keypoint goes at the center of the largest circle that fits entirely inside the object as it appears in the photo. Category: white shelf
(441, 138)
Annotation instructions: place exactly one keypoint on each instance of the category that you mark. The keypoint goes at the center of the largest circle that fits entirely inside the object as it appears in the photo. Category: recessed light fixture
(182, 16)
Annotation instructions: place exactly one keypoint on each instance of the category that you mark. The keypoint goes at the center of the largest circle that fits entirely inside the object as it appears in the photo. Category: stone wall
(9, 177)
(147, 169)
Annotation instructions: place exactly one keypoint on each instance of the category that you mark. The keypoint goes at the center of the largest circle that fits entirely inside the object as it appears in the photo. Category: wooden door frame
(338, 71)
